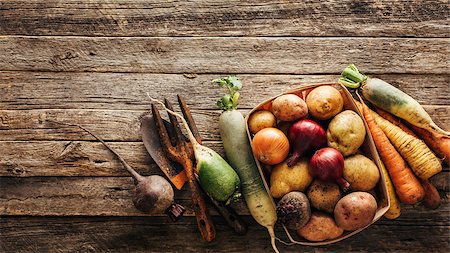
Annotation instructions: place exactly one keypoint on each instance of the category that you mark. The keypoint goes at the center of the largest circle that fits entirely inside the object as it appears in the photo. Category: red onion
(305, 135)
(327, 164)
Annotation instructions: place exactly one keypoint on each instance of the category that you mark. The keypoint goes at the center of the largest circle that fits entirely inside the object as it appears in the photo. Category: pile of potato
(319, 210)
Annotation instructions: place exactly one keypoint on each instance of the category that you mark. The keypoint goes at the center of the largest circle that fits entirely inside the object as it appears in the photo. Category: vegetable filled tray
(300, 160)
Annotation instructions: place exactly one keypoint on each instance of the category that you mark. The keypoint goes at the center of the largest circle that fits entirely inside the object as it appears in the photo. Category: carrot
(439, 143)
(408, 188)
(394, 210)
(421, 159)
(389, 98)
(432, 199)
(395, 120)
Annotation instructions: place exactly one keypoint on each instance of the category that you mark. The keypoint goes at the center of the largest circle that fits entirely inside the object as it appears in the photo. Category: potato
(285, 179)
(289, 107)
(261, 119)
(320, 227)
(293, 210)
(324, 195)
(361, 172)
(346, 132)
(354, 211)
(324, 102)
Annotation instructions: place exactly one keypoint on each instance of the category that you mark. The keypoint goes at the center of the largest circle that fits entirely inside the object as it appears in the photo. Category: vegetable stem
(272, 238)
(289, 237)
(229, 101)
(351, 77)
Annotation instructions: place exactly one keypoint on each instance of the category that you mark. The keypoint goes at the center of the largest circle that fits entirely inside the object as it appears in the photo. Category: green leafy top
(351, 77)
(229, 101)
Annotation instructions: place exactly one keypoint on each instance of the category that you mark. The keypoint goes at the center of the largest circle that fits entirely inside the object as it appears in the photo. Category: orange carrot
(420, 158)
(439, 143)
(432, 199)
(395, 120)
(408, 188)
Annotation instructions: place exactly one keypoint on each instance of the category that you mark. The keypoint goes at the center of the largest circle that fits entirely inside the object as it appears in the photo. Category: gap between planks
(225, 37)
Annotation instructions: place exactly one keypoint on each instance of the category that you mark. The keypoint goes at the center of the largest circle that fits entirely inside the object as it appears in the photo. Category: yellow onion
(270, 146)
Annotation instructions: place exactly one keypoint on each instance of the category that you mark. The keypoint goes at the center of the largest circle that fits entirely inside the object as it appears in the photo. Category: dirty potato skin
(324, 195)
(260, 120)
(354, 211)
(289, 107)
(284, 179)
(346, 132)
(361, 172)
(320, 227)
(324, 102)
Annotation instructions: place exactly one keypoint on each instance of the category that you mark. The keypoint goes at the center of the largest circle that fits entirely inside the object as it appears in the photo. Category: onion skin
(270, 146)
(305, 135)
(327, 164)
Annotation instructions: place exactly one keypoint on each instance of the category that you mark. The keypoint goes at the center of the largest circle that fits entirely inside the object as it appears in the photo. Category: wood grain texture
(110, 125)
(307, 55)
(111, 196)
(81, 196)
(141, 234)
(117, 125)
(225, 18)
(91, 63)
(72, 158)
(125, 91)
(77, 158)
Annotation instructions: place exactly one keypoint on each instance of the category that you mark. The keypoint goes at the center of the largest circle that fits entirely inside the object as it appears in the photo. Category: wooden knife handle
(204, 220)
(231, 217)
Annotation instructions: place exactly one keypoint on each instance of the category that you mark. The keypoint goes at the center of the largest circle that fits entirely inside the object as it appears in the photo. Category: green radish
(389, 98)
(239, 153)
(216, 176)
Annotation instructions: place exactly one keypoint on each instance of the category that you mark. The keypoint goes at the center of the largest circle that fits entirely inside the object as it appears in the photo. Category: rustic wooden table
(91, 62)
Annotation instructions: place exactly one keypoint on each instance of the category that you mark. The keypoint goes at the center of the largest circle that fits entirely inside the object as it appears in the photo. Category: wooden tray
(368, 148)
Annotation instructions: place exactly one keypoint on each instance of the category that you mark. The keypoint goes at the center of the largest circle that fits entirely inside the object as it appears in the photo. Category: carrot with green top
(389, 98)
(408, 188)
(419, 157)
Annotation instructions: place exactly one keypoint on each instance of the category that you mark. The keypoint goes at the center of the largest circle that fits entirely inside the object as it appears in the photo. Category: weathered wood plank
(40, 90)
(113, 125)
(67, 158)
(224, 55)
(78, 158)
(111, 196)
(225, 18)
(110, 104)
(75, 196)
(140, 234)
(116, 125)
